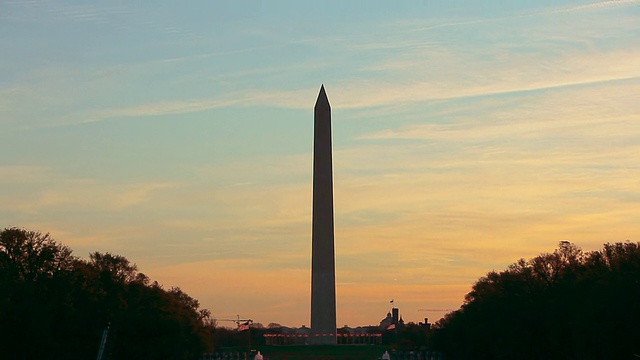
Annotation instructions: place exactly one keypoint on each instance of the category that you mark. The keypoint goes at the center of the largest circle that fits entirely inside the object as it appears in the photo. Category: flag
(391, 301)
(391, 327)
(243, 327)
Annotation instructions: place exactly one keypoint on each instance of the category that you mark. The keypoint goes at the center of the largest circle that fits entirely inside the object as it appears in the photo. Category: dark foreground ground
(320, 352)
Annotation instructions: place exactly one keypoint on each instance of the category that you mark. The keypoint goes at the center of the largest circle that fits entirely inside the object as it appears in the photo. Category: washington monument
(323, 268)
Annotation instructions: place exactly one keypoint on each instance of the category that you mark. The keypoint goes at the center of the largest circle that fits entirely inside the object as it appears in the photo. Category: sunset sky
(466, 135)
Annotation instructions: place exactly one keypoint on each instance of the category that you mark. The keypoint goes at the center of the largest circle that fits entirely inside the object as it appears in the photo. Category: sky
(466, 135)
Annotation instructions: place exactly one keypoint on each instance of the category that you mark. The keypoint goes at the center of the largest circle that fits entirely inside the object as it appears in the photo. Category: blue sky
(466, 135)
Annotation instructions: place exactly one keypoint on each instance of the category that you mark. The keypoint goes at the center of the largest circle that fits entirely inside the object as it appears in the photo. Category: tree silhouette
(54, 305)
(563, 305)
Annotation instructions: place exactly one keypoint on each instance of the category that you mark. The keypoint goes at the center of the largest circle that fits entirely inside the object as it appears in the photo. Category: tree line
(562, 305)
(54, 305)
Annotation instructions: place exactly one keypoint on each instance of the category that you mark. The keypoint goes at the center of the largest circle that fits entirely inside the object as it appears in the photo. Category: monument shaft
(323, 270)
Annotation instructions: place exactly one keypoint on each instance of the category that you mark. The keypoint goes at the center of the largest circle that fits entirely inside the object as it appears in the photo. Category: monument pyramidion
(323, 269)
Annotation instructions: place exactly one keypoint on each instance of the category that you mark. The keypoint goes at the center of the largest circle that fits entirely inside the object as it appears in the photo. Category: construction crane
(238, 321)
(436, 310)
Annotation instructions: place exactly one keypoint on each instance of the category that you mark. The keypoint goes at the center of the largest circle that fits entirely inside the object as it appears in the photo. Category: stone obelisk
(323, 269)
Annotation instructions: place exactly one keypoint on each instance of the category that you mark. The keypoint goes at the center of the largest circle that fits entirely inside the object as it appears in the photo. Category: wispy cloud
(419, 70)
(40, 189)
(44, 10)
(511, 75)
(118, 17)
(599, 5)
(584, 110)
